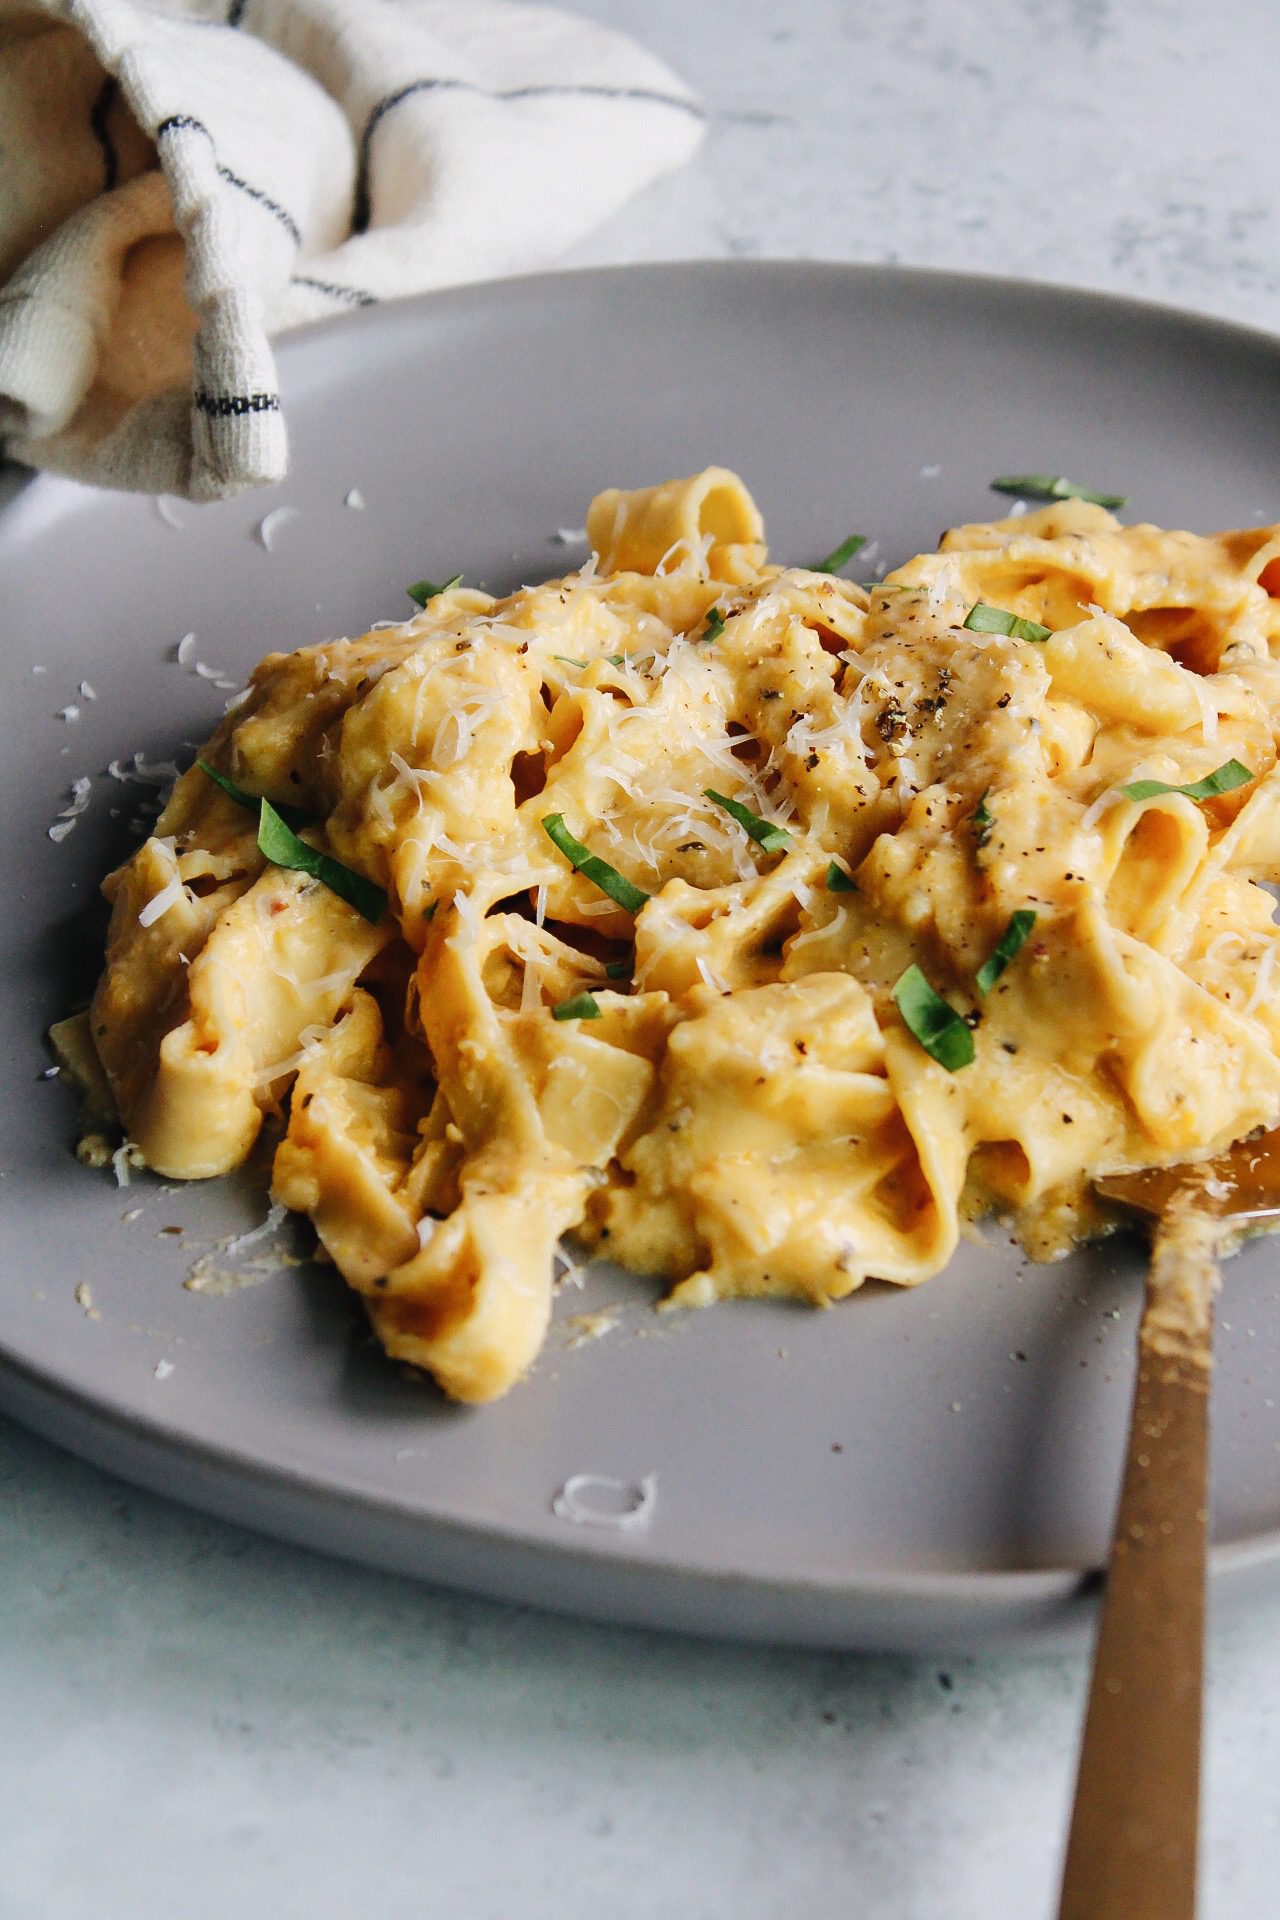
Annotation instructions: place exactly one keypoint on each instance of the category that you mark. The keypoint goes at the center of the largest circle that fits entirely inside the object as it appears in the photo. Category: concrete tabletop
(201, 1723)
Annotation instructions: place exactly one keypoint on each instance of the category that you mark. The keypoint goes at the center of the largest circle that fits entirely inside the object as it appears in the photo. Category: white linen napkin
(180, 180)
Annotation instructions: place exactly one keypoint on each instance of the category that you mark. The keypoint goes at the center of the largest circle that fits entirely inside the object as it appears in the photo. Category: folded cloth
(181, 180)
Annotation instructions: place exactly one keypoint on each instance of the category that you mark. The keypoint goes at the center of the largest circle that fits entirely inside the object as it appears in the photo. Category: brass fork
(1135, 1824)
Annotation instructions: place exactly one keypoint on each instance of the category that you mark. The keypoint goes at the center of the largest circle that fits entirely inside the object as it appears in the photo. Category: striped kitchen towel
(181, 180)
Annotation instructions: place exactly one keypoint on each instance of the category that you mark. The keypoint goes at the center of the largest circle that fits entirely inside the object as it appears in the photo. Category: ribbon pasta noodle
(700, 1066)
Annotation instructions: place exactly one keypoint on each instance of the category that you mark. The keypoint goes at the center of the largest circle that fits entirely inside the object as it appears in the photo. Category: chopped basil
(765, 833)
(714, 627)
(1020, 925)
(567, 660)
(282, 847)
(1050, 486)
(938, 1027)
(592, 867)
(841, 555)
(616, 659)
(617, 969)
(293, 816)
(1224, 779)
(583, 1006)
(984, 619)
(424, 590)
(838, 881)
(983, 820)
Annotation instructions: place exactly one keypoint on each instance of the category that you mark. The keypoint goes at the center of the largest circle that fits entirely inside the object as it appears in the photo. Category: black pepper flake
(891, 723)
(1004, 700)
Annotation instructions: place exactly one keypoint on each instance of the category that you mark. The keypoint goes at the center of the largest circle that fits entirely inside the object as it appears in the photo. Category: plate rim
(36, 1396)
(785, 265)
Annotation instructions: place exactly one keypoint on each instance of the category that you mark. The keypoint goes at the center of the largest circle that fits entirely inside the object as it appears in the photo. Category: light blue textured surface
(199, 1723)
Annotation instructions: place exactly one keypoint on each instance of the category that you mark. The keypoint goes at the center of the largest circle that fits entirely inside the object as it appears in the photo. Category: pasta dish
(748, 924)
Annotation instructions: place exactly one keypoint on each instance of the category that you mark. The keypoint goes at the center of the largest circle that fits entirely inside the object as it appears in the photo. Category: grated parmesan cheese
(1208, 709)
(172, 895)
(531, 984)
(123, 1159)
(1221, 942)
(271, 523)
(1093, 813)
(598, 1500)
(469, 917)
(566, 1271)
(1262, 986)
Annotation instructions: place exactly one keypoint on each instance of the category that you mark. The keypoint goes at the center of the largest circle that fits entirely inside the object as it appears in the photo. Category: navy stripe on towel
(220, 406)
(179, 121)
(360, 209)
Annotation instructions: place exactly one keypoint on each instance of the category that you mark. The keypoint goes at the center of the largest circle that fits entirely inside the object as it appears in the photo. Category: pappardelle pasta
(751, 925)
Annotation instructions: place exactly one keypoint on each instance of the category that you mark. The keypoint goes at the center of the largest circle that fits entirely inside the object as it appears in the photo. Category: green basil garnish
(583, 1006)
(282, 847)
(424, 590)
(765, 833)
(592, 867)
(1050, 486)
(841, 555)
(936, 1025)
(294, 816)
(983, 820)
(984, 619)
(1020, 925)
(1224, 779)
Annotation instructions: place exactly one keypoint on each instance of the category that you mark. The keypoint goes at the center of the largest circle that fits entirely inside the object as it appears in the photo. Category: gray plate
(933, 1467)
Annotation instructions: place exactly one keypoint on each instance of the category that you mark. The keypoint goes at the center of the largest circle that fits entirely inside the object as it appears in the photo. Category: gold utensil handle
(1135, 1825)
